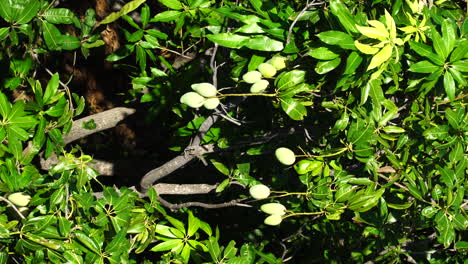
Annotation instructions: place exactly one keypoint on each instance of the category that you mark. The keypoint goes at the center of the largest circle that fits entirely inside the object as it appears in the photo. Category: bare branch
(183, 189)
(204, 205)
(103, 121)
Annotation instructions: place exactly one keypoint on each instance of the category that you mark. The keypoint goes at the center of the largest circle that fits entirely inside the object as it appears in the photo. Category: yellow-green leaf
(364, 48)
(372, 32)
(379, 58)
(390, 25)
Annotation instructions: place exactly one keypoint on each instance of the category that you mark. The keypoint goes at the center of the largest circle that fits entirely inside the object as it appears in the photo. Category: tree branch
(204, 205)
(103, 121)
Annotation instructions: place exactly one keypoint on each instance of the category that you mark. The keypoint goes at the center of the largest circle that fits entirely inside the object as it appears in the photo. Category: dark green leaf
(323, 53)
(27, 11)
(59, 16)
(289, 79)
(264, 43)
(69, 42)
(326, 66)
(52, 35)
(460, 52)
(461, 65)
(293, 108)
(172, 4)
(449, 85)
(166, 16)
(441, 48)
(168, 245)
(424, 67)
(344, 16)
(127, 8)
(339, 38)
(229, 40)
(87, 241)
(352, 63)
(426, 51)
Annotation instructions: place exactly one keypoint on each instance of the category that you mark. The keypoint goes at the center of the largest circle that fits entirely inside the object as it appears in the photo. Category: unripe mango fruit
(259, 191)
(211, 103)
(279, 62)
(252, 77)
(19, 199)
(273, 208)
(285, 156)
(273, 220)
(259, 86)
(267, 70)
(192, 99)
(205, 89)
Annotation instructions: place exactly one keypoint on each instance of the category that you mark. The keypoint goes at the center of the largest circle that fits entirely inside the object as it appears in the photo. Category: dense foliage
(348, 117)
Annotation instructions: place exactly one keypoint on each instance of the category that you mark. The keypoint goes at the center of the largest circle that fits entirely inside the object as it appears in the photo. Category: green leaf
(166, 16)
(69, 42)
(326, 66)
(363, 203)
(59, 16)
(17, 132)
(449, 34)
(339, 38)
(344, 192)
(4, 32)
(264, 43)
(193, 224)
(52, 35)
(14, 145)
(172, 4)
(228, 40)
(127, 8)
(6, 10)
(438, 132)
(220, 167)
(88, 242)
(440, 46)
(460, 52)
(24, 121)
(213, 249)
(27, 12)
(426, 51)
(449, 85)
(168, 245)
(344, 16)
(5, 105)
(289, 79)
(461, 65)
(458, 76)
(461, 245)
(352, 62)
(293, 108)
(323, 53)
(176, 223)
(145, 15)
(51, 89)
(423, 67)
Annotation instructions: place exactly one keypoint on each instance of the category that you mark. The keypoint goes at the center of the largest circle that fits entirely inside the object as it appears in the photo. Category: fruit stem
(246, 94)
(310, 213)
(287, 194)
(324, 156)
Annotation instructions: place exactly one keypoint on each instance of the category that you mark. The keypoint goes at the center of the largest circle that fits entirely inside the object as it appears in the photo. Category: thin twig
(309, 5)
(13, 206)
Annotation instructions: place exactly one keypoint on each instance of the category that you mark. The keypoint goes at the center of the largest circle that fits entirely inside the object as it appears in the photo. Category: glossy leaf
(324, 67)
(293, 109)
(127, 8)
